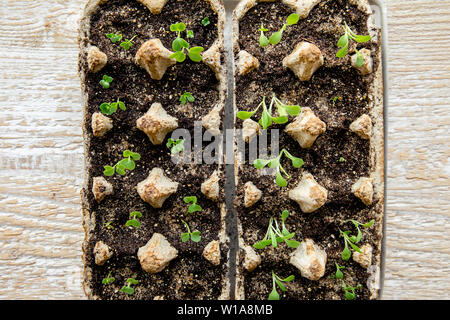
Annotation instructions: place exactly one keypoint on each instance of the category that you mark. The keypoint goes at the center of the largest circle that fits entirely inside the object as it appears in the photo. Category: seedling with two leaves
(350, 291)
(106, 81)
(344, 41)
(108, 279)
(275, 163)
(110, 108)
(274, 235)
(127, 288)
(175, 146)
(206, 22)
(186, 97)
(116, 37)
(284, 111)
(134, 220)
(194, 207)
(338, 274)
(351, 239)
(127, 163)
(194, 236)
(179, 45)
(275, 38)
(277, 281)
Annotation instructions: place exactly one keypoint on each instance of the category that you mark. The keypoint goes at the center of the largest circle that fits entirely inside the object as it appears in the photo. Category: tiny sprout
(194, 236)
(175, 146)
(110, 108)
(185, 97)
(276, 280)
(267, 119)
(350, 291)
(194, 207)
(106, 81)
(179, 45)
(353, 240)
(126, 45)
(189, 34)
(341, 159)
(128, 163)
(338, 274)
(108, 279)
(274, 235)
(276, 164)
(205, 22)
(336, 98)
(127, 288)
(109, 225)
(114, 37)
(275, 38)
(263, 41)
(134, 222)
(343, 44)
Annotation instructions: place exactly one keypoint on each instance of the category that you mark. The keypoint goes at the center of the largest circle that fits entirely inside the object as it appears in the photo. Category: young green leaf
(186, 97)
(175, 146)
(205, 22)
(127, 163)
(344, 40)
(292, 19)
(194, 236)
(276, 164)
(114, 37)
(194, 207)
(189, 34)
(126, 45)
(108, 279)
(106, 81)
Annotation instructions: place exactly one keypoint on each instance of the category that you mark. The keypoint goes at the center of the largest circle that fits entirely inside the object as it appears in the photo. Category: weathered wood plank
(41, 161)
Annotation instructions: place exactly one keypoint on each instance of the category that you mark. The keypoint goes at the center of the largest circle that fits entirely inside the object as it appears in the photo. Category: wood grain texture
(41, 150)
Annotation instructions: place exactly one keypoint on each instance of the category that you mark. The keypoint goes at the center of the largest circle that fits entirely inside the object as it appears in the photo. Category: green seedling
(194, 236)
(114, 37)
(350, 291)
(274, 235)
(108, 279)
(275, 38)
(179, 45)
(127, 163)
(275, 163)
(175, 146)
(106, 81)
(109, 225)
(263, 40)
(341, 159)
(186, 97)
(335, 99)
(353, 240)
(189, 34)
(344, 41)
(338, 274)
(126, 45)
(205, 22)
(133, 221)
(194, 207)
(267, 119)
(110, 108)
(127, 288)
(277, 281)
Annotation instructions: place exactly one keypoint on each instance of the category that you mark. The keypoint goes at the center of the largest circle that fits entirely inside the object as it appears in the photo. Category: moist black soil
(336, 78)
(189, 276)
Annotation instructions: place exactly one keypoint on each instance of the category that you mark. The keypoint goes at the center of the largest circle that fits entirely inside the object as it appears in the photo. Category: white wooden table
(41, 152)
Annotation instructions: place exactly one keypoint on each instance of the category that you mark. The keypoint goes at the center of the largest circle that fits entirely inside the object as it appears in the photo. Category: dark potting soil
(190, 275)
(336, 78)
